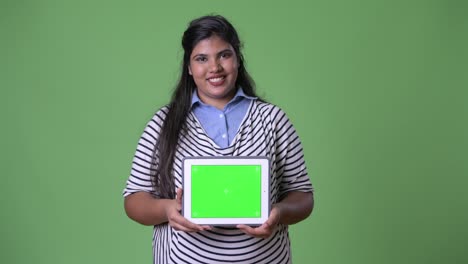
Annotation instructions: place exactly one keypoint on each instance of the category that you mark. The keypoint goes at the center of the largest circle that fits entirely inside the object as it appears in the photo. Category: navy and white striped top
(264, 131)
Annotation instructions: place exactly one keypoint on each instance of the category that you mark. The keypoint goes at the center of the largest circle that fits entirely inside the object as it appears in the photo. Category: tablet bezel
(265, 189)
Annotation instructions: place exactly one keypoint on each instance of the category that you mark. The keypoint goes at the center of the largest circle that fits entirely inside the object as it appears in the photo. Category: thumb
(179, 196)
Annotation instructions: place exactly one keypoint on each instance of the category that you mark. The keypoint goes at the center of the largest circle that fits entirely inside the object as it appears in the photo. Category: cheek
(236, 65)
(231, 67)
(197, 72)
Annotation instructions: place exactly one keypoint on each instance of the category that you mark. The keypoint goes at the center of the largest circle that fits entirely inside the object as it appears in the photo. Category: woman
(214, 111)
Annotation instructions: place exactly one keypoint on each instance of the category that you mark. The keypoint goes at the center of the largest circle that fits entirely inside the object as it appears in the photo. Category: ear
(189, 70)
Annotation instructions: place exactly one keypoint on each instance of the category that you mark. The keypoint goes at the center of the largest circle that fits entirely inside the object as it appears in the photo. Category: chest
(256, 137)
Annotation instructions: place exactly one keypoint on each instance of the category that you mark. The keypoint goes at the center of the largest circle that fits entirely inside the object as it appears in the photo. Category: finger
(270, 223)
(187, 225)
(178, 221)
(179, 227)
(245, 228)
(260, 231)
(263, 231)
(273, 218)
(179, 196)
(206, 227)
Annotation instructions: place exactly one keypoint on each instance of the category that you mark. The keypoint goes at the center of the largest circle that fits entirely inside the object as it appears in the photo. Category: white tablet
(226, 190)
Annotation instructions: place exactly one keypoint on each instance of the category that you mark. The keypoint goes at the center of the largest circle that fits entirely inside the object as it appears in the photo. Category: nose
(215, 66)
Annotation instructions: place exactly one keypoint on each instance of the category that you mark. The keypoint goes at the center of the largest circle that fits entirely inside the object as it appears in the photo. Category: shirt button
(221, 115)
(223, 136)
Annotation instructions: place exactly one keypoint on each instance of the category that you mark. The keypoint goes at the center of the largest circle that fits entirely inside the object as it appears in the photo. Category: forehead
(211, 45)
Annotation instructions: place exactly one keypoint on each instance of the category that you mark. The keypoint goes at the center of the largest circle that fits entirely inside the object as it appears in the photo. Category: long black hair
(179, 107)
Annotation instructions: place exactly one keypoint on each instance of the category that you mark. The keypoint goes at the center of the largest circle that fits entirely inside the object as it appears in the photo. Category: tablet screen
(226, 190)
(234, 191)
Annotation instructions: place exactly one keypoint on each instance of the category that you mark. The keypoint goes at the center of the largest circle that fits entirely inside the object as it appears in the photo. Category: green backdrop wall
(376, 89)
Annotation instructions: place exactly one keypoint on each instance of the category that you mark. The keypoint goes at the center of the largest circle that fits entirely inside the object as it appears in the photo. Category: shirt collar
(239, 94)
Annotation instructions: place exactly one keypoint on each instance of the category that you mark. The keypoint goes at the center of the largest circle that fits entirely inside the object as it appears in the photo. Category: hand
(177, 221)
(267, 228)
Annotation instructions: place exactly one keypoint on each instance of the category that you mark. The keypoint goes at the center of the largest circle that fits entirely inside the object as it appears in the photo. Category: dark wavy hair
(179, 106)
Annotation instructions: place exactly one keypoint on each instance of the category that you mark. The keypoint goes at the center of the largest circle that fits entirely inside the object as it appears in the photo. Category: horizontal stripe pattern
(265, 131)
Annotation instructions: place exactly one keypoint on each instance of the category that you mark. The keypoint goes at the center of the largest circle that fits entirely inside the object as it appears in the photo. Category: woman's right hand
(177, 221)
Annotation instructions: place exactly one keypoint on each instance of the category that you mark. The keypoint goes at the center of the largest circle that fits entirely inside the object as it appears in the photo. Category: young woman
(214, 111)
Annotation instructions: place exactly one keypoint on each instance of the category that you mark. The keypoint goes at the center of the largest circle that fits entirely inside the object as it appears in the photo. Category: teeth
(216, 79)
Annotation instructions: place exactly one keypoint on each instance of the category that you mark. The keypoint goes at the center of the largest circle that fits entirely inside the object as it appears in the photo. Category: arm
(295, 207)
(140, 205)
(143, 208)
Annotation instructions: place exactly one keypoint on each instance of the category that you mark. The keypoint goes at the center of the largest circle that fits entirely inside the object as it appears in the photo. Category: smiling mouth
(217, 81)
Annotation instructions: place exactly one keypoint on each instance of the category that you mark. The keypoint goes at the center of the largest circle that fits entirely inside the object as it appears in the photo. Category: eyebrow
(223, 51)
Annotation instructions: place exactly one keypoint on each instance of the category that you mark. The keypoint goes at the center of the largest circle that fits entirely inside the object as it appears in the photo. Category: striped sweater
(265, 131)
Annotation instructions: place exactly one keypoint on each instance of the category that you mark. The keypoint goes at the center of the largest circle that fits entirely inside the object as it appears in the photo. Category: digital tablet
(226, 190)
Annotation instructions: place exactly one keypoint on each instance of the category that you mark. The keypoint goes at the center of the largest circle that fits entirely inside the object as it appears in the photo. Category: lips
(216, 81)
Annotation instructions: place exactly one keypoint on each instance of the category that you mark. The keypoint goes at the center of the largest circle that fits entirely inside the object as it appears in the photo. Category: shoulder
(270, 111)
(154, 125)
(159, 116)
(162, 112)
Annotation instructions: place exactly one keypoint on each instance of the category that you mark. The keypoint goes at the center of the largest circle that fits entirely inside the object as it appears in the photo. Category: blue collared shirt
(222, 125)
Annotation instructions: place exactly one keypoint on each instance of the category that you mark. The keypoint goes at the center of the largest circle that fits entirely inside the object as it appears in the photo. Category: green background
(226, 191)
(377, 91)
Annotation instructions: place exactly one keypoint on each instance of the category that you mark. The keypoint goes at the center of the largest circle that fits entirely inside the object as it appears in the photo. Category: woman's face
(213, 66)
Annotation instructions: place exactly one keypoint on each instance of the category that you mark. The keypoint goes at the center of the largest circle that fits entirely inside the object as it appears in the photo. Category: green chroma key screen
(222, 191)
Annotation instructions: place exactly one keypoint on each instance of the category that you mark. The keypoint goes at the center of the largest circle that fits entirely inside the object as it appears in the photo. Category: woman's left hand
(267, 228)
(295, 207)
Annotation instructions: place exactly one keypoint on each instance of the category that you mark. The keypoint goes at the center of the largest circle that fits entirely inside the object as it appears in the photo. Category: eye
(201, 59)
(226, 55)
